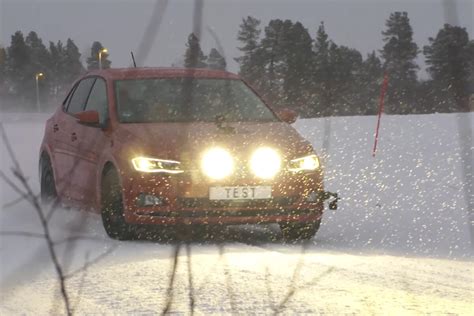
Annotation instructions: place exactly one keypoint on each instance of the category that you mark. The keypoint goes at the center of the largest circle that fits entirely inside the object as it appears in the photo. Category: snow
(399, 242)
(409, 197)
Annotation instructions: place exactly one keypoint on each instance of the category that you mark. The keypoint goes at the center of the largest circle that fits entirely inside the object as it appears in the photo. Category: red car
(179, 147)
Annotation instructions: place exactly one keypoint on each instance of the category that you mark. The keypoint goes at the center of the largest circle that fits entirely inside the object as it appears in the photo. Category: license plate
(240, 193)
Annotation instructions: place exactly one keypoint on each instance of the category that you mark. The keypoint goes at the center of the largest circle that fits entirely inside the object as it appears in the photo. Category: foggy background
(119, 24)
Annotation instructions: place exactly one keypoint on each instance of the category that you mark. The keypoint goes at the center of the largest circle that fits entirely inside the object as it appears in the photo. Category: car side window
(68, 97)
(79, 98)
(98, 100)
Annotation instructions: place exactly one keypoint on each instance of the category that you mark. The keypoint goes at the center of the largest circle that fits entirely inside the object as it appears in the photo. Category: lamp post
(102, 51)
(37, 77)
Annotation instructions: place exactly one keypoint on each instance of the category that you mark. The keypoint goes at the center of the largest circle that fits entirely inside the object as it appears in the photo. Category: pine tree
(471, 75)
(369, 82)
(346, 64)
(72, 62)
(335, 83)
(470, 51)
(216, 60)
(194, 57)
(399, 53)
(40, 58)
(40, 62)
(448, 58)
(65, 66)
(278, 65)
(297, 55)
(249, 35)
(272, 47)
(16, 67)
(321, 67)
(56, 65)
(251, 68)
(93, 59)
(3, 79)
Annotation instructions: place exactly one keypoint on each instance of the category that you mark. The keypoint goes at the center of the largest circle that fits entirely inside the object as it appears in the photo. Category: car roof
(137, 73)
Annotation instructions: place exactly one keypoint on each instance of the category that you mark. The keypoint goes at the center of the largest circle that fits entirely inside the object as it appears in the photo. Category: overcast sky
(120, 24)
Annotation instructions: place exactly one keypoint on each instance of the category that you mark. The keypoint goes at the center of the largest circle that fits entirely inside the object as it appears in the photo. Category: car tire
(48, 191)
(299, 231)
(112, 207)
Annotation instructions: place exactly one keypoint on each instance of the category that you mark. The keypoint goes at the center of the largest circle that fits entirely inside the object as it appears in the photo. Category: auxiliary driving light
(217, 163)
(265, 163)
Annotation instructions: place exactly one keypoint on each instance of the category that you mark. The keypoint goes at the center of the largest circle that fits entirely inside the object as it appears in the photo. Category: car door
(90, 144)
(57, 130)
(66, 140)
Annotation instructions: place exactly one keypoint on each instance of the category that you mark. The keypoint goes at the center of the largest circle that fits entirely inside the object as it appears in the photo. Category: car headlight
(145, 164)
(217, 163)
(307, 163)
(265, 163)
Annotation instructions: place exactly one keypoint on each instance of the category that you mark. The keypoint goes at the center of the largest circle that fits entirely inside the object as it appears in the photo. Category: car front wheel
(299, 231)
(47, 184)
(112, 207)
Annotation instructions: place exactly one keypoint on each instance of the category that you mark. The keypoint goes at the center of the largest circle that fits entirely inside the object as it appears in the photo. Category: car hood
(184, 141)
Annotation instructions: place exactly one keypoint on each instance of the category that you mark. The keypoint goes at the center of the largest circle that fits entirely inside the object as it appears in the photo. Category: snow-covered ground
(399, 242)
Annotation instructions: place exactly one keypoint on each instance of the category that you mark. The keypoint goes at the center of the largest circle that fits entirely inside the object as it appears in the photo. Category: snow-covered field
(399, 242)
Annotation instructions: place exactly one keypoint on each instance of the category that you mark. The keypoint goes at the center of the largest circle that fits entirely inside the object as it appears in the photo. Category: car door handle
(73, 137)
(55, 128)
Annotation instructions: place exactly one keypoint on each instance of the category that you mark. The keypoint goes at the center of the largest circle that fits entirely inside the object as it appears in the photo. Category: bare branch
(81, 285)
(14, 186)
(33, 199)
(49, 243)
(190, 279)
(269, 289)
(294, 280)
(52, 210)
(14, 202)
(11, 153)
(22, 234)
(151, 31)
(78, 237)
(219, 45)
(211, 273)
(228, 280)
(169, 292)
(90, 263)
(293, 290)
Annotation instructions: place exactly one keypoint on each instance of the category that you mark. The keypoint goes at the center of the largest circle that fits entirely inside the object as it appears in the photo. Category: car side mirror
(89, 118)
(287, 115)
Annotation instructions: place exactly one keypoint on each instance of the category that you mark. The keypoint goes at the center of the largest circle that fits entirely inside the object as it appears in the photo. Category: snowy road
(398, 244)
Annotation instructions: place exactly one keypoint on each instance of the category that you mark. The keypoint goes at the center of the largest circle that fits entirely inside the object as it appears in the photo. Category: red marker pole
(381, 104)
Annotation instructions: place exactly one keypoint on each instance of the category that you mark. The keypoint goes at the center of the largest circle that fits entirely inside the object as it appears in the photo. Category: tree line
(27, 62)
(321, 78)
(290, 68)
(195, 58)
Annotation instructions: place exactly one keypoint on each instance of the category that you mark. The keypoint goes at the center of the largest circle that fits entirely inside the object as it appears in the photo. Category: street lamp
(102, 51)
(37, 77)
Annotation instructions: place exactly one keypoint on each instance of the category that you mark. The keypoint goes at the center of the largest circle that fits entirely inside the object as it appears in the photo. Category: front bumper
(185, 200)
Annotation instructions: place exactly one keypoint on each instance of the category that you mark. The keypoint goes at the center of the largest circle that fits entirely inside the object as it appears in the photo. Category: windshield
(189, 100)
